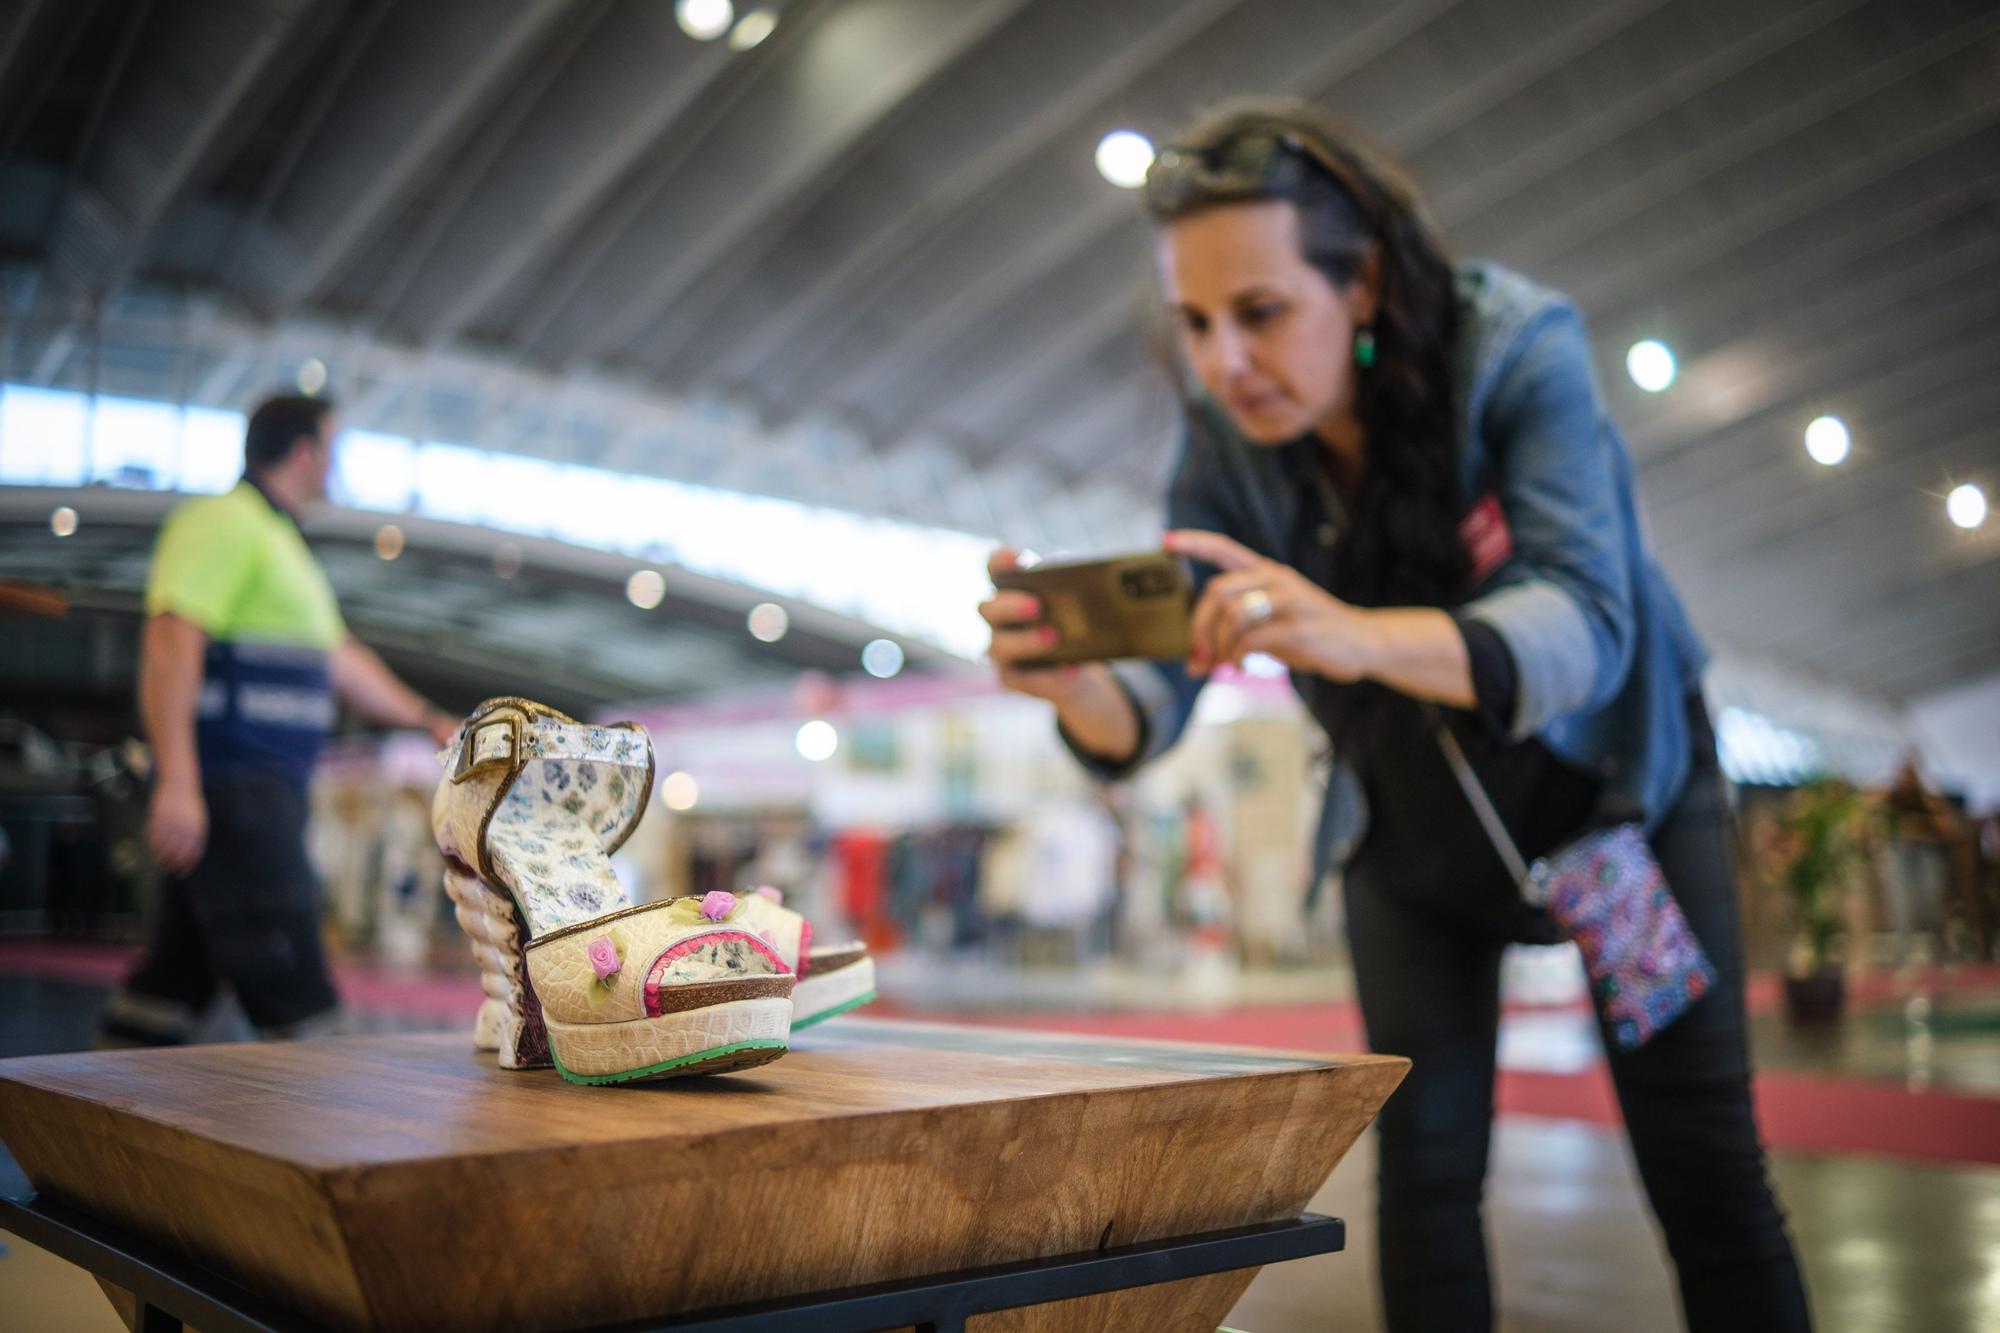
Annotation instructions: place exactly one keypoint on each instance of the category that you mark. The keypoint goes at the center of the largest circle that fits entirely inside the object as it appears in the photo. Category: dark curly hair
(1402, 546)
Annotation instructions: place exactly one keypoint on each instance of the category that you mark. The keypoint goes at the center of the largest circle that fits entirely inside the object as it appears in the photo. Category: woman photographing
(1398, 479)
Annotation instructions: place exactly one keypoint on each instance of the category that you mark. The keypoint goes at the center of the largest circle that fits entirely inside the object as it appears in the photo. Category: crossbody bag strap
(1482, 805)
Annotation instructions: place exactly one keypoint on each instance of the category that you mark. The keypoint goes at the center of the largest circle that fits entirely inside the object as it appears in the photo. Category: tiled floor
(1889, 1242)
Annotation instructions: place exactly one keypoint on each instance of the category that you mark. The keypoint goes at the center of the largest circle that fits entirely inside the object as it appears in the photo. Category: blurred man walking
(243, 656)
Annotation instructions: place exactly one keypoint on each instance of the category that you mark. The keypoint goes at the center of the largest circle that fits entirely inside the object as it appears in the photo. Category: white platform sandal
(531, 806)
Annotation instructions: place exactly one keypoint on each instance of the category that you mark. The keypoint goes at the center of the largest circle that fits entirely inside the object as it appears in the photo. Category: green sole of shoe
(836, 1011)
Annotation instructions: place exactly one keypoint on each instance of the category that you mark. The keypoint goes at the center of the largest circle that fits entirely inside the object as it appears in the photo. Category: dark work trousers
(246, 916)
(1429, 987)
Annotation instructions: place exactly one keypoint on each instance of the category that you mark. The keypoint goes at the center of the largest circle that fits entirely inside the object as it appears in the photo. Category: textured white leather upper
(783, 927)
(567, 984)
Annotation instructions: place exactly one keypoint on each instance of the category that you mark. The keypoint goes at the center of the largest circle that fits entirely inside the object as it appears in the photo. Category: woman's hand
(1090, 705)
(1255, 605)
(1017, 638)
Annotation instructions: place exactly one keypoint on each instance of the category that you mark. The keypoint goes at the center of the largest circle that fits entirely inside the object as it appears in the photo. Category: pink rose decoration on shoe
(607, 957)
(718, 904)
(774, 895)
(603, 957)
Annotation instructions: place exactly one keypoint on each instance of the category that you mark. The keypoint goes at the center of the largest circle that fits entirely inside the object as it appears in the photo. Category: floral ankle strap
(505, 734)
(496, 747)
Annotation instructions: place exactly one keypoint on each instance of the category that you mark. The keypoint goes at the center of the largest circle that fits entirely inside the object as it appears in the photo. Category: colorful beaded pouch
(1606, 893)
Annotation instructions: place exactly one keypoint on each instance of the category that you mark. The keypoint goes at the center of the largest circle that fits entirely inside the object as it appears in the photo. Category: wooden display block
(404, 1182)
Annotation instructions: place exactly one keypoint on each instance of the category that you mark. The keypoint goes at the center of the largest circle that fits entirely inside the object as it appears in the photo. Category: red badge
(1488, 540)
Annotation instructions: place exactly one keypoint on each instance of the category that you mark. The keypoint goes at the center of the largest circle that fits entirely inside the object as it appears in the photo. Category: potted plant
(1817, 845)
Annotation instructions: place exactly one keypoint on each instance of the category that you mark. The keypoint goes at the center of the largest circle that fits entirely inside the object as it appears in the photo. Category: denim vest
(1604, 654)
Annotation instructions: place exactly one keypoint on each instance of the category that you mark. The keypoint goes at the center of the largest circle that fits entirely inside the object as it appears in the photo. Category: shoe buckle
(492, 741)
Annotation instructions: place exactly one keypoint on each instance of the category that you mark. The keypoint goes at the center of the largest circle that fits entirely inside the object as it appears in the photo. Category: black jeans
(246, 915)
(1429, 987)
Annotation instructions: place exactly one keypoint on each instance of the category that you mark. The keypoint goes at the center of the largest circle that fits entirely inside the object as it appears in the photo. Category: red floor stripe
(1802, 1113)
(53, 960)
(452, 997)
(1820, 1114)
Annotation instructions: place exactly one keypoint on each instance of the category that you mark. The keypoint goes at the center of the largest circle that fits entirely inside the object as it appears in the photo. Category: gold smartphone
(1127, 606)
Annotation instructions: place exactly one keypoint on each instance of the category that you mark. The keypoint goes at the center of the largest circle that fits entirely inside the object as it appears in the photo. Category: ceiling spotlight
(1650, 363)
(1123, 157)
(62, 522)
(882, 658)
(312, 376)
(507, 560)
(817, 740)
(388, 541)
(1967, 505)
(704, 20)
(645, 589)
(751, 29)
(768, 622)
(1827, 440)
(678, 791)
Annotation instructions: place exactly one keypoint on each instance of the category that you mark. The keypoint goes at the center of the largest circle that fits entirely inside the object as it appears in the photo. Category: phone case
(1127, 606)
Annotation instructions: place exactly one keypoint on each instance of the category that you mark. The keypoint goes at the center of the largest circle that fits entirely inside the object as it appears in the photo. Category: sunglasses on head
(1242, 164)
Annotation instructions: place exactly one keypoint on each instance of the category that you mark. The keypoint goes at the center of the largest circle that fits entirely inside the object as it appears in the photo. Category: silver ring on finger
(1255, 606)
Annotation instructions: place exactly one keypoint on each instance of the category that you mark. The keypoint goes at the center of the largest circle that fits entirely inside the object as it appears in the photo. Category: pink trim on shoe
(694, 944)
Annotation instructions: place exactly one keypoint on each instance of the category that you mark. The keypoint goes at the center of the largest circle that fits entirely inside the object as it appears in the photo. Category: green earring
(1364, 348)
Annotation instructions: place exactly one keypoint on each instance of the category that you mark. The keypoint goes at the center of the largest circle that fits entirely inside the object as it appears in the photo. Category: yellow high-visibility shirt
(237, 567)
